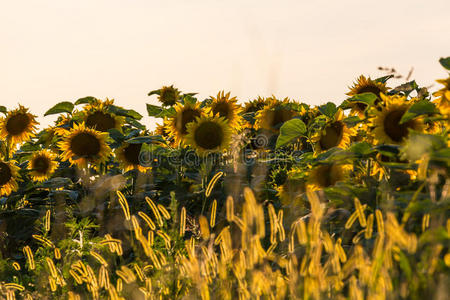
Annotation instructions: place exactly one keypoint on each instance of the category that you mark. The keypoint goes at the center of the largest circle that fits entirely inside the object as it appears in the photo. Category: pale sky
(310, 51)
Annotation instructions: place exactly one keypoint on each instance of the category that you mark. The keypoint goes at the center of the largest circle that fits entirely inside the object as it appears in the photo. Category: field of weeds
(272, 199)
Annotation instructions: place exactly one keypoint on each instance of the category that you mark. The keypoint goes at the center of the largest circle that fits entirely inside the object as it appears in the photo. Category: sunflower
(323, 176)
(129, 157)
(292, 188)
(18, 125)
(42, 165)
(97, 117)
(168, 95)
(443, 102)
(227, 108)
(386, 122)
(365, 85)
(209, 134)
(254, 105)
(250, 109)
(8, 177)
(83, 145)
(335, 134)
(177, 124)
(274, 114)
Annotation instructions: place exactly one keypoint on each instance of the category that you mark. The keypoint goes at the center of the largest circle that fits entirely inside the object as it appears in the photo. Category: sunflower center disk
(5, 173)
(17, 124)
(325, 176)
(41, 164)
(279, 116)
(187, 116)
(168, 96)
(131, 153)
(209, 135)
(370, 89)
(100, 121)
(392, 127)
(332, 137)
(223, 109)
(85, 144)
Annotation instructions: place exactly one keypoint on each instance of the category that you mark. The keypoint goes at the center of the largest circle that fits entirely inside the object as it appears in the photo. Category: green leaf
(85, 100)
(189, 99)
(135, 123)
(367, 98)
(328, 109)
(61, 107)
(56, 182)
(384, 79)
(289, 131)
(153, 110)
(3, 109)
(423, 107)
(405, 88)
(362, 148)
(124, 112)
(352, 121)
(159, 112)
(145, 139)
(116, 135)
(155, 92)
(445, 62)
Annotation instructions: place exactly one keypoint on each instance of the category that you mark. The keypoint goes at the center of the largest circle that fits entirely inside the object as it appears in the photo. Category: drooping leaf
(367, 98)
(155, 92)
(124, 112)
(406, 88)
(116, 134)
(384, 79)
(61, 107)
(85, 100)
(445, 62)
(153, 110)
(3, 109)
(328, 109)
(423, 107)
(289, 131)
(135, 123)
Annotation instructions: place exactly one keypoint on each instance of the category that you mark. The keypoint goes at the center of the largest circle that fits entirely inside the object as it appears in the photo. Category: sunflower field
(272, 199)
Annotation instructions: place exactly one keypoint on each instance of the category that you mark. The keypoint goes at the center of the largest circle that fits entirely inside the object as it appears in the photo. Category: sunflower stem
(8, 146)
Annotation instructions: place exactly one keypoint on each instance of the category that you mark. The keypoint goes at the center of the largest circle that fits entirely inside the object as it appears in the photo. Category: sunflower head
(83, 145)
(292, 188)
(168, 95)
(443, 97)
(386, 122)
(227, 108)
(326, 175)
(177, 124)
(208, 134)
(334, 134)
(274, 114)
(8, 177)
(97, 116)
(42, 165)
(18, 125)
(365, 85)
(129, 157)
